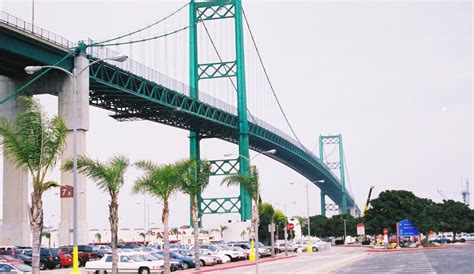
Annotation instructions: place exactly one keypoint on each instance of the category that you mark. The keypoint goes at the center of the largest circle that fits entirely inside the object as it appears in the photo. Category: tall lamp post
(73, 75)
(271, 151)
(307, 201)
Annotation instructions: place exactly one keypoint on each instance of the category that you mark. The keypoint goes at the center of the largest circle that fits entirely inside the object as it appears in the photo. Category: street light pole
(73, 76)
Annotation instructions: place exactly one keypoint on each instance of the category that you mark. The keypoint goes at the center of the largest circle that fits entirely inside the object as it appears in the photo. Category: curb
(412, 249)
(247, 263)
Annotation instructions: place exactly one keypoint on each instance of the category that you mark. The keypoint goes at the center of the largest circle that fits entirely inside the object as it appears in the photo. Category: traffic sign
(291, 226)
(66, 191)
(360, 229)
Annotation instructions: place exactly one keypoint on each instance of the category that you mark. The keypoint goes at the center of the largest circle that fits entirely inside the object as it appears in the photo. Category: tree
(335, 225)
(175, 231)
(47, 235)
(160, 182)
(141, 234)
(221, 230)
(243, 233)
(455, 217)
(280, 221)
(266, 213)
(194, 179)
(391, 207)
(109, 178)
(318, 223)
(98, 237)
(34, 142)
(250, 183)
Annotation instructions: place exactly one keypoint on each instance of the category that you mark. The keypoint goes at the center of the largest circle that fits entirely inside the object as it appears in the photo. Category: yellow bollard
(252, 251)
(309, 249)
(75, 261)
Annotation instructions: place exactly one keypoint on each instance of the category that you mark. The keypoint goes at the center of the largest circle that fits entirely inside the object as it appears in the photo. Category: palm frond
(49, 184)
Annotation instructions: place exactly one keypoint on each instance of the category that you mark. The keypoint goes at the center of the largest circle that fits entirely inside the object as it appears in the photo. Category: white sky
(394, 78)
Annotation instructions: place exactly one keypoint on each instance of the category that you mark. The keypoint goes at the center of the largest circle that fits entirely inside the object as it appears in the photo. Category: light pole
(285, 229)
(307, 201)
(271, 151)
(73, 75)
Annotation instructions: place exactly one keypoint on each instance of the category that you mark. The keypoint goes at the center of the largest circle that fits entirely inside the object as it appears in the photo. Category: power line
(269, 82)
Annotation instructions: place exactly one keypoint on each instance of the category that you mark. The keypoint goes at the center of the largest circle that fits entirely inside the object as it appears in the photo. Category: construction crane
(441, 193)
(368, 200)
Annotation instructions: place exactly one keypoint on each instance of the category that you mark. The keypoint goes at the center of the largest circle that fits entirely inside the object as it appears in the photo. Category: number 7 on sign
(66, 191)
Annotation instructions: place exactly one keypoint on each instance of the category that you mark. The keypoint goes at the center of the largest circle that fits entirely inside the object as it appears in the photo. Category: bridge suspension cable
(102, 43)
(269, 82)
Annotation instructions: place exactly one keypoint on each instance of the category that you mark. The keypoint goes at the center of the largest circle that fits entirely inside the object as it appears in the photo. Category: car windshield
(177, 255)
(212, 248)
(159, 256)
(260, 245)
(22, 267)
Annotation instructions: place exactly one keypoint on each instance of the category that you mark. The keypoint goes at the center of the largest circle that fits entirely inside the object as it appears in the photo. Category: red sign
(360, 229)
(385, 231)
(291, 226)
(66, 191)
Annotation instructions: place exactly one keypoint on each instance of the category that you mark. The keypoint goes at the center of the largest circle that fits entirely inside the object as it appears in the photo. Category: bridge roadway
(128, 91)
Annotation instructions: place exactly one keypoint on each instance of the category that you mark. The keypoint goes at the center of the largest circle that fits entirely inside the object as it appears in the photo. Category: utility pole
(466, 194)
(344, 231)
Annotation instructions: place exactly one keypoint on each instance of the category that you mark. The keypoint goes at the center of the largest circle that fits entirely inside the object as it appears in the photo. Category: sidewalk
(237, 264)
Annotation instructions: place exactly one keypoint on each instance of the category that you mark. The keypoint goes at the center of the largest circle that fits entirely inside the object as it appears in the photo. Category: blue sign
(406, 229)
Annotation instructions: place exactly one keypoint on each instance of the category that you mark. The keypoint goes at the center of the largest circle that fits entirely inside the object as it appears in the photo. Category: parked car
(186, 262)
(174, 264)
(65, 259)
(205, 259)
(221, 250)
(10, 259)
(288, 247)
(466, 236)
(14, 268)
(243, 254)
(49, 258)
(128, 262)
(8, 250)
(440, 239)
(85, 253)
(222, 257)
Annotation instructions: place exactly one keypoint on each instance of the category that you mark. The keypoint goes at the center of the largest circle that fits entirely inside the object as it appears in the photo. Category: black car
(49, 258)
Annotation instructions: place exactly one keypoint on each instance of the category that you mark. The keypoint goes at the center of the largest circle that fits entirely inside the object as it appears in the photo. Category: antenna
(466, 194)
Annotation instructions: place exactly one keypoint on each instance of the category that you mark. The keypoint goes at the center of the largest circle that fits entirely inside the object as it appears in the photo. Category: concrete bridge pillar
(15, 229)
(82, 122)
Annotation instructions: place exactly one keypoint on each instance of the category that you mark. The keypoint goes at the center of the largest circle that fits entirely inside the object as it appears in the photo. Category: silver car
(205, 259)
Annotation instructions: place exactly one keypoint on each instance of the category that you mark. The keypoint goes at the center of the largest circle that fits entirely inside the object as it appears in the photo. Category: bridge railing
(35, 30)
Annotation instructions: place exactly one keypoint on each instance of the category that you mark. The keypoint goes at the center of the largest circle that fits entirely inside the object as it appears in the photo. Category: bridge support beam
(15, 229)
(82, 122)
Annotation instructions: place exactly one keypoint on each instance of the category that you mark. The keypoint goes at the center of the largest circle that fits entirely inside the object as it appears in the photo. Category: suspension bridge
(207, 44)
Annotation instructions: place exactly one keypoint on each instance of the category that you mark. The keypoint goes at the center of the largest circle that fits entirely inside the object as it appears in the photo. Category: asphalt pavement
(452, 260)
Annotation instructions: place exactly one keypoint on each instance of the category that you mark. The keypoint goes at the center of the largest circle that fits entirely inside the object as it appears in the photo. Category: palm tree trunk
(166, 251)
(36, 223)
(196, 233)
(113, 219)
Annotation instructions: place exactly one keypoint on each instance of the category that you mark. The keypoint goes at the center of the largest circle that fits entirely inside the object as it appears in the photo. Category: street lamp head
(271, 151)
(319, 181)
(119, 58)
(33, 69)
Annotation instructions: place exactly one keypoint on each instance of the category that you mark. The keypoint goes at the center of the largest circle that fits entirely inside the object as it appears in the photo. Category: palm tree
(98, 237)
(194, 179)
(221, 230)
(141, 234)
(47, 235)
(251, 183)
(161, 182)
(109, 178)
(243, 234)
(34, 142)
(175, 231)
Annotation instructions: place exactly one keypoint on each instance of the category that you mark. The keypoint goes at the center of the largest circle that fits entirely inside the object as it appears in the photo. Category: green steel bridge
(134, 91)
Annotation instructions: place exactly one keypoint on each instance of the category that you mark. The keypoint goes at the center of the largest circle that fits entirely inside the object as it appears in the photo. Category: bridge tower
(217, 10)
(331, 140)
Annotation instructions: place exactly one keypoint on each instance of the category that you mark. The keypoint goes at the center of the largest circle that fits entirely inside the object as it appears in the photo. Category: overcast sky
(395, 79)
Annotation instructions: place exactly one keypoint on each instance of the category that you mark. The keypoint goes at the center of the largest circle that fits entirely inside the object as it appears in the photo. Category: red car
(65, 259)
(9, 259)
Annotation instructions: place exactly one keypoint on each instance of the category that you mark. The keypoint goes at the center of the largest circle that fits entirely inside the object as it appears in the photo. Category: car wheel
(315, 249)
(144, 270)
(185, 266)
(80, 262)
(230, 258)
(101, 272)
(42, 266)
(201, 263)
(58, 266)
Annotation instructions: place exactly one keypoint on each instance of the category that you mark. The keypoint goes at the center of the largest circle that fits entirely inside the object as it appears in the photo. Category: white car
(127, 263)
(224, 258)
(14, 268)
(231, 254)
(466, 236)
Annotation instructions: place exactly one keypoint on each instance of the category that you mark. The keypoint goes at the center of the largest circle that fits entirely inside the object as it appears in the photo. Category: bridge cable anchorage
(32, 80)
(101, 43)
(270, 83)
(221, 60)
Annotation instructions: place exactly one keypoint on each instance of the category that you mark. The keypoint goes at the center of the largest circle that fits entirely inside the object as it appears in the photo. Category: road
(317, 262)
(449, 260)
